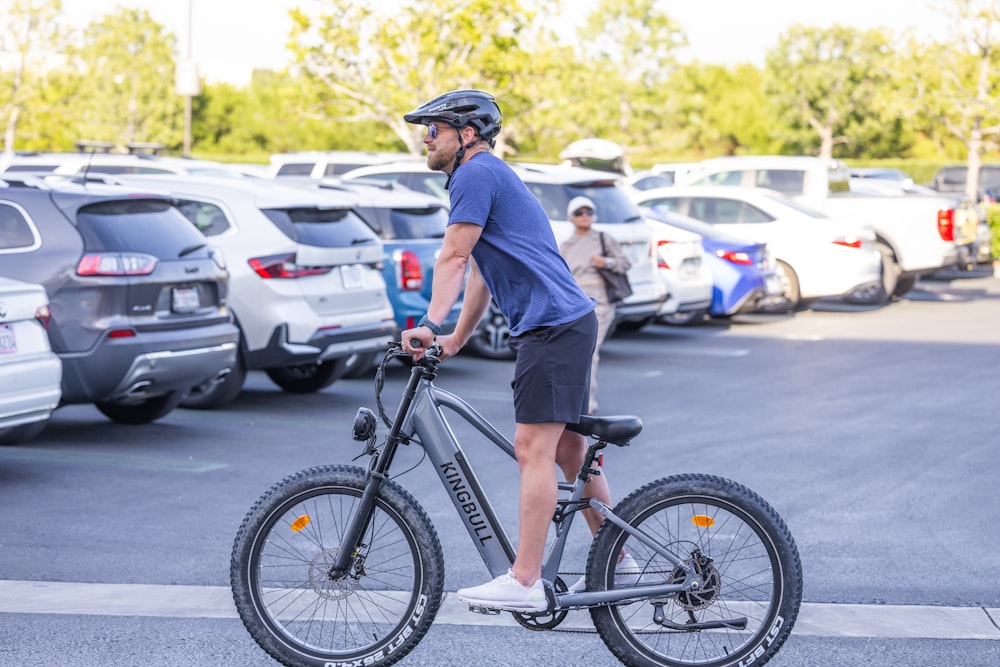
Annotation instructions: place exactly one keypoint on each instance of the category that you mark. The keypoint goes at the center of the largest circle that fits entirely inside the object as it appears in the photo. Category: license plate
(8, 344)
(690, 266)
(184, 299)
(353, 276)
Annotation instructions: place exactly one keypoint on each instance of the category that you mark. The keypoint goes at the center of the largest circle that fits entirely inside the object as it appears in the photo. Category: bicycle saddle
(616, 430)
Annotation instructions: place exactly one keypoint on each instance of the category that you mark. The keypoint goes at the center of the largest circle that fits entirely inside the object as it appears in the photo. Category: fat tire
(300, 617)
(768, 564)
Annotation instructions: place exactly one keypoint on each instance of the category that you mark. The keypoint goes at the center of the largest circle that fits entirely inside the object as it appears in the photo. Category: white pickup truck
(918, 234)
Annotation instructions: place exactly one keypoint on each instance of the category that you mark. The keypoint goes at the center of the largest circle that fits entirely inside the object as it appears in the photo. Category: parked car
(139, 300)
(682, 266)
(305, 285)
(30, 372)
(744, 275)
(79, 163)
(416, 176)
(917, 234)
(320, 164)
(817, 256)
(411, 226)
(554, 186)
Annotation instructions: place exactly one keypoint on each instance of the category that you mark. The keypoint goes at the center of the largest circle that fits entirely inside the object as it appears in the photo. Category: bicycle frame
(420, 419)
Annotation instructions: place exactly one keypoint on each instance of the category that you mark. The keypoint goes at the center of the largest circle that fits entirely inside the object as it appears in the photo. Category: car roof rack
(144, 148)
(88, 146)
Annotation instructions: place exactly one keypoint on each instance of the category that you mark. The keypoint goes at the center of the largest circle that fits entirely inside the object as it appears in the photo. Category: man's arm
(449, 275)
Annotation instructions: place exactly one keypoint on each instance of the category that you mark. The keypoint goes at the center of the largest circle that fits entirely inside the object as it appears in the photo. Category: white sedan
(818, 256)
(681, 265)
(30, 373)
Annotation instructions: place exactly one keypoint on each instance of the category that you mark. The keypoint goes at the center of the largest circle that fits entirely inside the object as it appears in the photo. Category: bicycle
(339, 565)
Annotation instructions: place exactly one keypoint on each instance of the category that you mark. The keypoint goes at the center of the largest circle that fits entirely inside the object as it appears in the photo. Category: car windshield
(151, 226)
(613, 205)
(791, 203)
(321, 227)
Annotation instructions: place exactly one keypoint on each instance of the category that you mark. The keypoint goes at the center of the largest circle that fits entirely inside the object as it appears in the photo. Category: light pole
(188, 83)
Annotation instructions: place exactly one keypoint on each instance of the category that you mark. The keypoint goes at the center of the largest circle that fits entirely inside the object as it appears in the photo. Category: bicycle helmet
(460, 108)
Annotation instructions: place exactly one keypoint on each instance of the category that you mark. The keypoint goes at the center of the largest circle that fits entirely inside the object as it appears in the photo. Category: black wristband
(424, 322)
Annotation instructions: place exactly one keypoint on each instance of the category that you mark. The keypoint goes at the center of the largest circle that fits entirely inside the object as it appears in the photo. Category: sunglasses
(432, 130)
(583, 211)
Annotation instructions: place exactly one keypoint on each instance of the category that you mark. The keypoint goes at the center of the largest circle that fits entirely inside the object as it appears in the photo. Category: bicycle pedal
(487, 611)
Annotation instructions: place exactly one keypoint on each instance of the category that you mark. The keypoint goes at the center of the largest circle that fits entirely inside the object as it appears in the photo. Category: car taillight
(946, 224)
(409, 274)
(661, 263)
(284, 266)
(116, 264)
(44, 316)
(122, 333)
(735, 256)
(849, 241)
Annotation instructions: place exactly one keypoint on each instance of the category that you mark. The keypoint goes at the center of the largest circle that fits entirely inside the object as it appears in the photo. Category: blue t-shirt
(517, 251)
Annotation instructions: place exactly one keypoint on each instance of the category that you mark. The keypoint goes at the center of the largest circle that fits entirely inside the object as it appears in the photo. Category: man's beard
(438, 161)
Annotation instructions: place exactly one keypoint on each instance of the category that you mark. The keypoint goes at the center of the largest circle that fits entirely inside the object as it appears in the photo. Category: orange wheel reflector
(702, 521)
(300, 523)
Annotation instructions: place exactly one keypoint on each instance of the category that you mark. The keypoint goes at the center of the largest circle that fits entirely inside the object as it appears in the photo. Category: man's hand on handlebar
(416, 341)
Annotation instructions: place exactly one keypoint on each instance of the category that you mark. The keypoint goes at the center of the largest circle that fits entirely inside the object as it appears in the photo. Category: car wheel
(140, 412)
(790, 295)
(23, 433)
(217, 393)
(878, 294)
(491, 339)
(307, 378)
(684, 318)
(362, 365)
(631, 325)
(904, 285)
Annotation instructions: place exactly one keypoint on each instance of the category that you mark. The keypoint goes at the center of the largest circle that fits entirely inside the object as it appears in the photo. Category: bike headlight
(364, 425)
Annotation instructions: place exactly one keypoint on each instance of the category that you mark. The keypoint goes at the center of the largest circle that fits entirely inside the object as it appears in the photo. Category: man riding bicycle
(499, 234)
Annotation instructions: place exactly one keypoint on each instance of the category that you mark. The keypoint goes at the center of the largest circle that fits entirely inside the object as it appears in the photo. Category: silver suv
(306, 289)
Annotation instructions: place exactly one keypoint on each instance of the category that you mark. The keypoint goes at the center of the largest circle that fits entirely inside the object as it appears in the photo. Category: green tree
(28, 34)
(369, 68)
(956, 82)
(627, 49)
(127, 86)
(828, 87)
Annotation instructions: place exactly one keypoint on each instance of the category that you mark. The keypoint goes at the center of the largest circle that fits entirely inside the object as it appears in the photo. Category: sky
(230, 38)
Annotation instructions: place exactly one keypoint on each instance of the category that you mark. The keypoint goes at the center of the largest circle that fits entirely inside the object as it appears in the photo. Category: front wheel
(749, 567)
(301, 612)
(140, 411)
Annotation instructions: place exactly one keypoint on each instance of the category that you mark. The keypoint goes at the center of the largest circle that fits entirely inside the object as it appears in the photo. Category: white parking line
(818, 619)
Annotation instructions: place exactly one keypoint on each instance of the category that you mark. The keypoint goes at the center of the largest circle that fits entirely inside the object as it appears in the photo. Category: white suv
(305, 284)
(320, 164)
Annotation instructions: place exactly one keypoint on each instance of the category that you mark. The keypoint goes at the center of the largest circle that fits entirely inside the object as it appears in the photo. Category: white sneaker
(506, 593)
(627, 573)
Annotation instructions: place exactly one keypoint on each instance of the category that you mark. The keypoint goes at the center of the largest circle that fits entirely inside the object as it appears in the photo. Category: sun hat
(576, 203)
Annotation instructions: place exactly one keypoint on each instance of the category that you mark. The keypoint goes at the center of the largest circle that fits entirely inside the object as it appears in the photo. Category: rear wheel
(140, 411)
(790, 297)
(746, 561)
(882, 292)
(685, 318)
(307, 378)
(362, 365)
(217, 393)
(23, 433)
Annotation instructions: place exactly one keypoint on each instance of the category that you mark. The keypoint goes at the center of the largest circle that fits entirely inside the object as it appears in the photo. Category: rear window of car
(151, 226)
(613, 205)
(409, 223)
(207, 217)
(321, 227)
(786, 181)
(296, 169)
(16, 232)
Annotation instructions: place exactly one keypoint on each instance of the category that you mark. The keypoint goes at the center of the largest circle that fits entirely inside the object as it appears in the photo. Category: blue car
(411, 226)
(744, 275)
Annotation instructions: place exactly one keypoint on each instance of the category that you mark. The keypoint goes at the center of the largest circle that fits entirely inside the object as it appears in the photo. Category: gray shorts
(552, 372)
